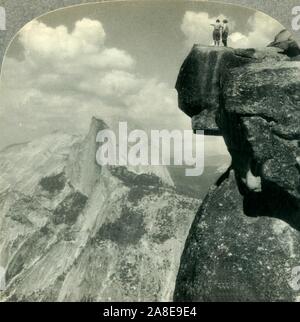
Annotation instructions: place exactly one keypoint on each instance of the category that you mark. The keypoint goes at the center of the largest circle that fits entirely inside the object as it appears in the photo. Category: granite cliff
(71, 230)
(245, 240)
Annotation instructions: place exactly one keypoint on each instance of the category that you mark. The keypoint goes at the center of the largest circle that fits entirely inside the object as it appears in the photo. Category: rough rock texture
(233, 257)
(260, 121)
(285, 41)
(71, 230)
(19, 13)
(198, 84)
(245, 238)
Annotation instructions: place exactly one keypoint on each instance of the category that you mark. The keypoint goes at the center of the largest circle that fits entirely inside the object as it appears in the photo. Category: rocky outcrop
(230, 256)
(285, 41)
(71, 230)
(244, 242)
(198, 84)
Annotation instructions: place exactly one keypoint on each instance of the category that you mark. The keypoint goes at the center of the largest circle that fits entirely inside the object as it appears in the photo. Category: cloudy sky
(116, 61)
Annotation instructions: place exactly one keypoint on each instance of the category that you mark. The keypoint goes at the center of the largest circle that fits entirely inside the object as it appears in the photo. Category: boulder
(244, 242)
(231, 256)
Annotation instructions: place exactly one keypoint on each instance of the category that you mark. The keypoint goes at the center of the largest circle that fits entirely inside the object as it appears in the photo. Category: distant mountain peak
(72, 230)
(83, 168)
(97, 125)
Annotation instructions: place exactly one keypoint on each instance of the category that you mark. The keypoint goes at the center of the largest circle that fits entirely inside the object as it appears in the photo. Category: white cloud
(159, 104)
(60, 49)
(112, 58)
(117, 83)
(68, 76)
(45, 42)
(262, 30)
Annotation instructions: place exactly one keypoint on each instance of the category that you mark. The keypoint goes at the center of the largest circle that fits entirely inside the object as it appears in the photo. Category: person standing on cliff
(217, 32)
(225, 32)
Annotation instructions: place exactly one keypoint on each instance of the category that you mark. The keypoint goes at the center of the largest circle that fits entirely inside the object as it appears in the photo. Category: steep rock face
(260, 121)
(201, 77)
(83, 169)
(244, 242)
(71, 230)
(233, 257)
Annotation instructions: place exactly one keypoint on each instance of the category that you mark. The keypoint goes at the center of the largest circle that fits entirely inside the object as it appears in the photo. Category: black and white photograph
(149, 152)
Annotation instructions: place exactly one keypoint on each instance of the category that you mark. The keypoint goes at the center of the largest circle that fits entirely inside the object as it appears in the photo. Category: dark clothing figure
(217, 35)
(217, 32)
(225, 33)
(225, 38)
